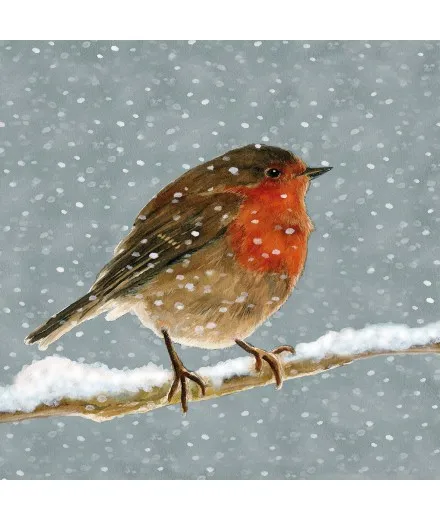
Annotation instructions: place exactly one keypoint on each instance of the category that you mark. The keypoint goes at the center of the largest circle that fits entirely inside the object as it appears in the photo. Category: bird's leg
(181, 373)
(269, 357)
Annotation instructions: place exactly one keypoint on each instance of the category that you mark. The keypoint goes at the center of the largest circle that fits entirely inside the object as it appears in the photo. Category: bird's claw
(274, 364)
(181, 374)
(284, 349)
(269, 357)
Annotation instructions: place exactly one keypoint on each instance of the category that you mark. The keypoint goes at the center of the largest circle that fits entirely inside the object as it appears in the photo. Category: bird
(208, 259)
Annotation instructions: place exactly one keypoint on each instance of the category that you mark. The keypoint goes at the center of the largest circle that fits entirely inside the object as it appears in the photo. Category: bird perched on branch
(210, 258)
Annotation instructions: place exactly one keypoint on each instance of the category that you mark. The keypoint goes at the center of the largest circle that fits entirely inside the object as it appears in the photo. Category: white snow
(48, 380)
(380, 337)
(53, 378)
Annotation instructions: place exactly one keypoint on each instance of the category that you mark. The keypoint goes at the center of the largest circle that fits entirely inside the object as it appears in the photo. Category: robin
(210, 257)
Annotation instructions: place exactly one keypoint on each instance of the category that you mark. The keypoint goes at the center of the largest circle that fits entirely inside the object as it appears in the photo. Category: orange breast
(271, 231)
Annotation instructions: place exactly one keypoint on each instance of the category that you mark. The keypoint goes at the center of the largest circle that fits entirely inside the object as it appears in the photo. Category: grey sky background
(90, 131)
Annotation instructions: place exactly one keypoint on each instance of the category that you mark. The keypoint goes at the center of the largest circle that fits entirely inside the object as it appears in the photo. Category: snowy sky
(90, 131)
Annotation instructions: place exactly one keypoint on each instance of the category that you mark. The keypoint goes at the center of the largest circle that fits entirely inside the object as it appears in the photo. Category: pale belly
(208, 301)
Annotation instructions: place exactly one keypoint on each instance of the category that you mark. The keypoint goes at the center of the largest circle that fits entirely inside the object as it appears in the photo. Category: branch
(58, 386)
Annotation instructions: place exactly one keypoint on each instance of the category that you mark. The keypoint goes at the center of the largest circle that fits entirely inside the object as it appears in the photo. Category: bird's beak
(313, 172)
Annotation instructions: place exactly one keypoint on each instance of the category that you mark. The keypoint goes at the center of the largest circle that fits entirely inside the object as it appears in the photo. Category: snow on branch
(57, 386)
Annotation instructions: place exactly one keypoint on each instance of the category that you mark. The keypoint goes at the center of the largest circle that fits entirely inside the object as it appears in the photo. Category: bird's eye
(272, 172)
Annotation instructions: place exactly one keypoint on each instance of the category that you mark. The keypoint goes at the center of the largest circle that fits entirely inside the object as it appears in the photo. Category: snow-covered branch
(57, 386)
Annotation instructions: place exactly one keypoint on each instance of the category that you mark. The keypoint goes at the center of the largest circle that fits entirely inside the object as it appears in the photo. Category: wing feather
(166, 236)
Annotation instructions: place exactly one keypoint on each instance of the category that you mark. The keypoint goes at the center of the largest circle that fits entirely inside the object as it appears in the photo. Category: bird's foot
(181, 375)
(269, 357)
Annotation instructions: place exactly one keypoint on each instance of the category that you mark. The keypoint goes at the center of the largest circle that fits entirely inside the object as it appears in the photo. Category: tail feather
(83, 309)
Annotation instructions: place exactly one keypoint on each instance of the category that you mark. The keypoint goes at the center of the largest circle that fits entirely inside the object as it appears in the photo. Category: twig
(106, 408)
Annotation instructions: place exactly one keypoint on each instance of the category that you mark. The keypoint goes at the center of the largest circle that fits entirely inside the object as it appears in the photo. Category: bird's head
(257, 166)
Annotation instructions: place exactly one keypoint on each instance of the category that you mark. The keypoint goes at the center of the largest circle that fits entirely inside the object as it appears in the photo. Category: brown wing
(162, 235)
